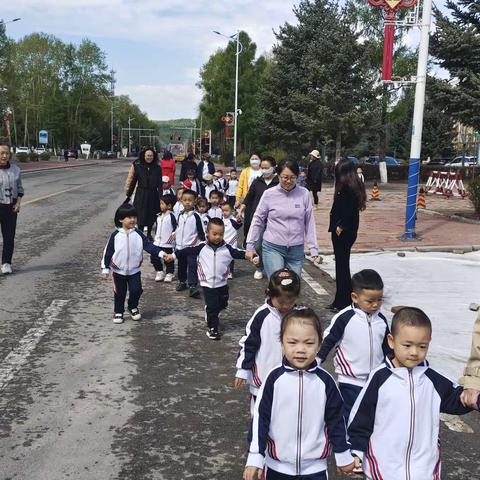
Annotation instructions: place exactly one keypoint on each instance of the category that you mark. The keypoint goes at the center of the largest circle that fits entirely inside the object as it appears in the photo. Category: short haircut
(217, 222)
(202, 201)
(233, 170)
(291, 165)
(226, 204)
(283, 282)
(4, 144)
(124, 211)
(187, 191)
(270, 160)
(216, 192)
(410, 317)
(191, 172)
(168, 199)
(366, 280)
(306, 315)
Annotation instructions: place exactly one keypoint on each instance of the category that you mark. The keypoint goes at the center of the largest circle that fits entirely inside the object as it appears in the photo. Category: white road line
(455, 424)
(14, 361)
(317, 288)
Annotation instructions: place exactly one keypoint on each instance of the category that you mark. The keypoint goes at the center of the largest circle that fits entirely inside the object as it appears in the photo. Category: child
(189, 233)
(215, 198)
(209, 186)
(298, 414)
(231, 230)
(232, 188)
(178, 207)
(394, 424)
(166, 186)
(219, 181)
(202, 207)
(165, 238)
(213, 259)
(260, 348)
(123, 256)
(360, 174)
(359, 335)
(191, 182)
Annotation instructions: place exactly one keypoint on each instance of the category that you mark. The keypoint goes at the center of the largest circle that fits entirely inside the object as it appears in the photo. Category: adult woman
(314, 175)
(284, 216)
(471, 375)
(187, 165)
(349, 199)
(167, 164)
(267, 180)
(146, 175)
(11, 193)
(247, 177)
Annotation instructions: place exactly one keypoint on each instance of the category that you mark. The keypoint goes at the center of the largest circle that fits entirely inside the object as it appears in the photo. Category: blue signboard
(43, 137)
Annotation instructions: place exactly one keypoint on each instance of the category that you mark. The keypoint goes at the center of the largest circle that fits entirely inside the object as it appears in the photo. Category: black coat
(148, 180)
(345, 211)
(186, 166)
(251, 201)
(211, 169)
(314, 174)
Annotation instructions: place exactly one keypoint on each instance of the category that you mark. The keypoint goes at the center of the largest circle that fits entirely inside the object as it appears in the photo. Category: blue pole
(411, 209)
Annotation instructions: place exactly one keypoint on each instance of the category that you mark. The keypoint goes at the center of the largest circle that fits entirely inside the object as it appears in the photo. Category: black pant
(315, 189)
(148, 233)
(120, 284)
(273, 475)
(156, 261)
(8, 223)
(187, 270)
(349, 393)
(216, 300)
(231, 199)
(342, 246)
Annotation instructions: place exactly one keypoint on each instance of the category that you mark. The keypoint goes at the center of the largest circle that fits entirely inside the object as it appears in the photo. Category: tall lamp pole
(129, 134)
(112, 92)
(2, 22)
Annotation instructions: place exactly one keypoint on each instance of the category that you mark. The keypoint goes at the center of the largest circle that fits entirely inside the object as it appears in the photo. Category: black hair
(141, 157)
(191, 172)
(291, 165)
(220, 170)
(167, 156)
(226, 204)
(216, 192)
(190, 156)
(201, 200)
(366, 280)
(304, 315)
(346, 177)
(283, 282)
(270, 160)
(411, 317)
(233, 170)
(187, 191)
(216, 221)
(168, 199)
(124, 211)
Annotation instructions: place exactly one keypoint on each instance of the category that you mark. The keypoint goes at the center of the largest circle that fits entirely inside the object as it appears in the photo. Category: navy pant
(8, 224)
(120, 285)
(273, 475)
(187, 270)
(157, 262)
(349, 394)
(216, 300)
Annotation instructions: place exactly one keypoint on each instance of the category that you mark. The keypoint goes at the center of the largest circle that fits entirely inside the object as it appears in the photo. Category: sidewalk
(382, 223)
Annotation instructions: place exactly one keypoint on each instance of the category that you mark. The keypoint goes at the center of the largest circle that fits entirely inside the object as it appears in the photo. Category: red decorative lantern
(391, 7)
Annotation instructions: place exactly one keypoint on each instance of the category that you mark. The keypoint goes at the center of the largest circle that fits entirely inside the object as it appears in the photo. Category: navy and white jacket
(177, 208)
(360, 342)
(205, 219)
(394, 424)
(231, 230)
(190, 230)
(232, 187)
(168, 191)
(165, 231)
(208, 189)
(213, 262)
(260, 348)
(297, 420)
(215, 212)
(123, 253)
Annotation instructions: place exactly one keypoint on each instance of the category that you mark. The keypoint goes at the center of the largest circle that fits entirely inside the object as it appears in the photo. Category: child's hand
(249, 256)
(168, 258)
(238, 218)
(249, 473)
(239, 382)
(256, 260)
(346, 468)
(104, 276)
(469, 398)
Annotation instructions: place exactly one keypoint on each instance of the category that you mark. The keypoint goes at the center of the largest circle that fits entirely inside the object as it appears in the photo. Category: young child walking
(213, 258)
(359, 335)
(231, 231)
(167, 186)
(123, 256)
(298, 414)
(232, 187)
(394, 424)
(260, 348)
(202, 209)
(178, 207)
(190, 232)
(165, 238)
(215, 199)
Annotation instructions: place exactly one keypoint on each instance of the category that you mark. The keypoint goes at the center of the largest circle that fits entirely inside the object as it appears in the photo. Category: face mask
(254, 163)
(267, 172)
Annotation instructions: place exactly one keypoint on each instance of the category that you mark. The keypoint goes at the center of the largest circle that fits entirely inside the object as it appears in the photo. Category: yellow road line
(77, 187)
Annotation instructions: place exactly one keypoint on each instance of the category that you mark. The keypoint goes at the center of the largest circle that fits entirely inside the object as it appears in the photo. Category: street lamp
(112, 93)
(129, 134)
(239, 51)
(3, 22)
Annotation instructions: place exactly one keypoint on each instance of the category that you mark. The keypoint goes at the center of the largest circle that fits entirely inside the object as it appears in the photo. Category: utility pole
(129, 133)
(112, 92)
(236, 104)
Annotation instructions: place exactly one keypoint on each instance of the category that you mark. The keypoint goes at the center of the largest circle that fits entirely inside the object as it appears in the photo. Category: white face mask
(255, 163)
(267, 172)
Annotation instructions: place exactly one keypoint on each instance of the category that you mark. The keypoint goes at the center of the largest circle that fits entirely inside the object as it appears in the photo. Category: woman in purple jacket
(284, 216)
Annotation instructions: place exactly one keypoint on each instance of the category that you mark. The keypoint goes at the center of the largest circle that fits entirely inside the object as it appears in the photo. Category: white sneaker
(229, 276)
(169, 278)
(6, 268)
(135, 314)
(118, 318)
(160, 276)
(258, 275)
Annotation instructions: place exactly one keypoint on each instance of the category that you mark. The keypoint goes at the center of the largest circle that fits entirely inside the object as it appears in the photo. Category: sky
(156, 47)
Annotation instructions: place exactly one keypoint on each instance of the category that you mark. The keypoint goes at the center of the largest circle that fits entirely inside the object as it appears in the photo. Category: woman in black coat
(146, 175)
(349, 199)
(314, 175)
(188, 164)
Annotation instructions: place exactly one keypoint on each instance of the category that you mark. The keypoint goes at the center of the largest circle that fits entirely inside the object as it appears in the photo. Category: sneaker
(160, 276)
(181, 286)
(230, 276)
(194, 292)
(258, 275)
(213, 334)
(135, 314)
(6, 268)
(118, 318)
(168, 278)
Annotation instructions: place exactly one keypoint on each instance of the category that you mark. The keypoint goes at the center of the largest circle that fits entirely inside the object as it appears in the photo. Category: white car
(22, 150)
(457, 161)
(40, 150)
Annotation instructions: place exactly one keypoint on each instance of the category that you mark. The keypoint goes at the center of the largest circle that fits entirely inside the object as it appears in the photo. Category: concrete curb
(457, 218)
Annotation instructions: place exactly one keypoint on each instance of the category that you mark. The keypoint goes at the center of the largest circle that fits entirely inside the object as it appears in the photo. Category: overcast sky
(156, 46)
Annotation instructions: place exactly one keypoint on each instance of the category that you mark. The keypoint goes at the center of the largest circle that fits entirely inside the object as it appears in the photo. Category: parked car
(111, 154)
(459, 161)
(439, 161)
(40, 150)
(22, 150)
(354, 160)
(390, 161)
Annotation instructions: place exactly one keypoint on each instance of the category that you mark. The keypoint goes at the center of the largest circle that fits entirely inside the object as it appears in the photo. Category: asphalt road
(82, 398)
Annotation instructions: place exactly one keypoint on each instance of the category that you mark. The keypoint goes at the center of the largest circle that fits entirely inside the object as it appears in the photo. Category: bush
(277, 154)
(243, 160)
(22, 157)
(45, 156)
(33, 156)
(474, 194)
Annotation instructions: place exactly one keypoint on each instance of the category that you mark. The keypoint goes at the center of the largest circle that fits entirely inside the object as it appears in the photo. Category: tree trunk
(338, 146)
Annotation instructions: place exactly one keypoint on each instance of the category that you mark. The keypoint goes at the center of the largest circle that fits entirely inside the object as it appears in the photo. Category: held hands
(250, 256)
(239, 382)
(256, 260)
(469, 398)
(168, 258)
(239, 217)
(354, 467)
(250, 472)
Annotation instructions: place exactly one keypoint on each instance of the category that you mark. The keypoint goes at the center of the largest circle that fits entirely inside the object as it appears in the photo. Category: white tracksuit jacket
(231, 230)
(165, 231)
(360, 343)
(297, 420)
(394, 424)
(190, 231)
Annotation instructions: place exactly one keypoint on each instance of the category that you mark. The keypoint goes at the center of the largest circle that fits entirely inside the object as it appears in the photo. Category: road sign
(42, 137)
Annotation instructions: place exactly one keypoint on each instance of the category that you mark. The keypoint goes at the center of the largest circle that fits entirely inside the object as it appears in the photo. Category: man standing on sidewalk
(471, 375)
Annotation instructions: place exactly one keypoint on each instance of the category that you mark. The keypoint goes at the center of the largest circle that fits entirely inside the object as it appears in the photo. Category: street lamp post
(129, 134)
(112, 92)
(2, 22)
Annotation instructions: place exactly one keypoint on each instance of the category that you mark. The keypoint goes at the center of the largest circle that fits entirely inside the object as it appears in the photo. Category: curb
(457, 218)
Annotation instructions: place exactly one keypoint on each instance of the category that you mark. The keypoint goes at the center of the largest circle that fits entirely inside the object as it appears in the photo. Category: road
(82, 398)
